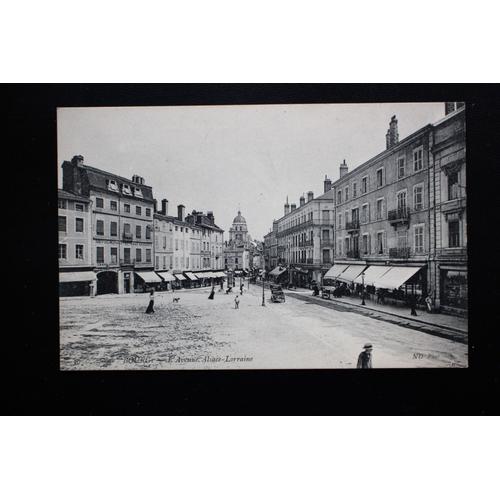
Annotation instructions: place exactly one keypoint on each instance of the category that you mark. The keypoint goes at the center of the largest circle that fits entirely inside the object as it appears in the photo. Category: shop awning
(396, 276)
(372, 274)
(77, 276)
(350, 273)
(200, 275)
(149, 276)
(180, 277)
(335, 271)
(277, 271)
(166, 275)
(219, 274)
(191, 276)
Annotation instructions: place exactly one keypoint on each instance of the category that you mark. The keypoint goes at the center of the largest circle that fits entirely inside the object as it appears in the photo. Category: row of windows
(402, 205)
(351, 245)
(64, 204)
(63, 224)
(113, 230)
(113, 205)
(63, 251)
(113, 254)
(380, 177)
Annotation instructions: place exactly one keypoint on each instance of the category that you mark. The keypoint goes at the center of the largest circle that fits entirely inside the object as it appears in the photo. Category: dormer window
(126, 189)
(112, 185)
(138, 192)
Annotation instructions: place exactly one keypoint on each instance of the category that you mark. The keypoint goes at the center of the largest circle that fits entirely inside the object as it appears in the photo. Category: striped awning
(191, 276)
(165, 275)
(148, 276)
(335, 271)
(396, 277)
(350, 273)
(180, 277)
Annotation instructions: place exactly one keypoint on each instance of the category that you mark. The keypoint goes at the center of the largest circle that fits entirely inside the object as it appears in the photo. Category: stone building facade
(238, 250)
(76, 276)
(305, 237)
(121, 221)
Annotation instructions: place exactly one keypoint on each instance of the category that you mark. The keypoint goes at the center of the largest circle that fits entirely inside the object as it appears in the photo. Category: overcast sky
(220, 158)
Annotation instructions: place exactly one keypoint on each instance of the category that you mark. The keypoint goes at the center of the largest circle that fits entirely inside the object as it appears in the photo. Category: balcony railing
(399, 253)
(327, 242)
(353, 254)
(398, 215)
(306, 243)
(127, 236)
(352, 226)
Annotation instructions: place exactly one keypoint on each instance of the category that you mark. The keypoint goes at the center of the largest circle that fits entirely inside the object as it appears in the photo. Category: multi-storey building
(271, 248)
(448, 223)
(76, 276)
(305, 237)
(209, 246)
(403, 214)
(122, 225)
(382, 207)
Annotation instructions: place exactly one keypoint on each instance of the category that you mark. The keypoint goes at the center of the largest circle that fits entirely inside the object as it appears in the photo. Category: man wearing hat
(365, 357)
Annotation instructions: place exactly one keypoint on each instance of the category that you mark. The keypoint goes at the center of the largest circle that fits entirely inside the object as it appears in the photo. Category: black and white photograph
(285, 236)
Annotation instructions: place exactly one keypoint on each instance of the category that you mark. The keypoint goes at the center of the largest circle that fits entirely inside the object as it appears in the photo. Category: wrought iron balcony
(127, 236)
(399, 253)
(399, 216)
(327, 242)
(353, 254)
(353, 225)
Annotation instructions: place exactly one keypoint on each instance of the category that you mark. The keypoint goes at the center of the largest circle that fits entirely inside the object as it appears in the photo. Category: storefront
(167, 278)
(454, 288)
(80, 283)
(147, 280)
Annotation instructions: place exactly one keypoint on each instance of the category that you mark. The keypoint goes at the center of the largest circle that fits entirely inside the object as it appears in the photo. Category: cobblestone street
(112, 332)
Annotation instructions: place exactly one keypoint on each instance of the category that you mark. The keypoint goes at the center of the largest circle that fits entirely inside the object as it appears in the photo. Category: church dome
(239, 219)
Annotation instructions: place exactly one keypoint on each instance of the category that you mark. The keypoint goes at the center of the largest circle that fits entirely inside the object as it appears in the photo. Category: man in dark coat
(365, 357)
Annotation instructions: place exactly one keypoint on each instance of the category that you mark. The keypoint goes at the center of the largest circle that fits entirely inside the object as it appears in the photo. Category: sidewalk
(443, 320)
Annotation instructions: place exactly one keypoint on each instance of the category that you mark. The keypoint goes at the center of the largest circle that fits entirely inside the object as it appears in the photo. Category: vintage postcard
(263, 236)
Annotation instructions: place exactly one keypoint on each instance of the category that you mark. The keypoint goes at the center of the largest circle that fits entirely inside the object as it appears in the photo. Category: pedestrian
(237, 302)
(365, 357)
(212, 293)
(413, 304)
(241, 288)
(428, 303)
(150, 309)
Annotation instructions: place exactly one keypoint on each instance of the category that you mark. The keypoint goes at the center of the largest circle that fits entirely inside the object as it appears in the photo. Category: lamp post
(262, 277)
(363, 289)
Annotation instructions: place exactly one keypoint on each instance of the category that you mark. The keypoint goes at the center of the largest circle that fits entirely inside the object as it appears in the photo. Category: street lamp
(262, 277)
(363, 289)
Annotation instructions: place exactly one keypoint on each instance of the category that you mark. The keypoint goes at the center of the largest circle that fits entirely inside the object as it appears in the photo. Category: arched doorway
(107, 282)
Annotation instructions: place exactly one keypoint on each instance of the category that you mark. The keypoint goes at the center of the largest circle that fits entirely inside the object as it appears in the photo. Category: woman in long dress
(150, 308)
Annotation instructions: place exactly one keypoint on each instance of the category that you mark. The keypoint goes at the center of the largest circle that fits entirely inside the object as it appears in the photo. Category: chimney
(327, 183)
(275, 226)
(77, 161)
(310, 196)
(392, 136)
(343, 170)
(155, 206)
(210, 215)
(293, 206)
(302, 200)
(287, 207)
(180, 212)
(164, 206)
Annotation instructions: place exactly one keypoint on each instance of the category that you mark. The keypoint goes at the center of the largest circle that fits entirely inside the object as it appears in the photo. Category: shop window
(454, 290)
